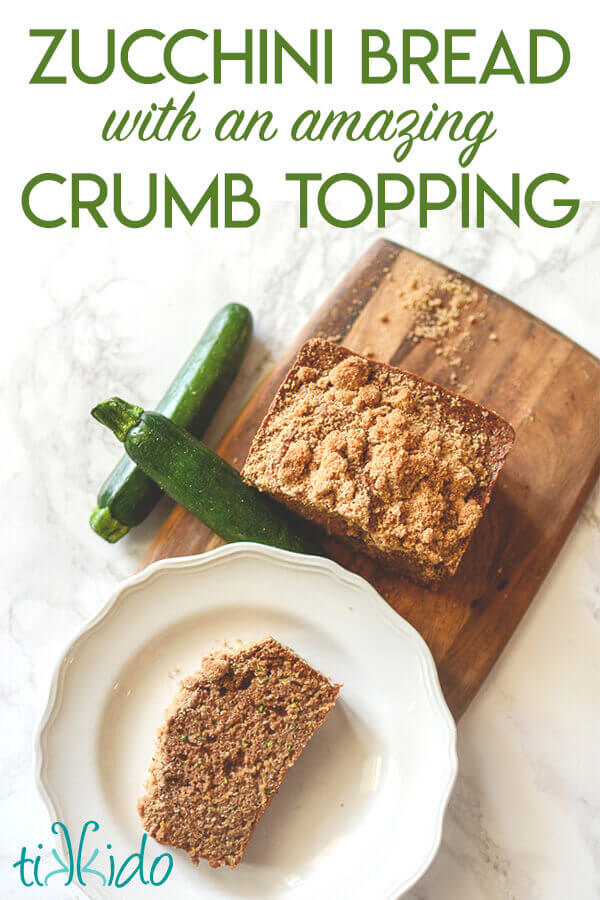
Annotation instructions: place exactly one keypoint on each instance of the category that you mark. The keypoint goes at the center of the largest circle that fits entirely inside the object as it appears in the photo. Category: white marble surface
(115, 312)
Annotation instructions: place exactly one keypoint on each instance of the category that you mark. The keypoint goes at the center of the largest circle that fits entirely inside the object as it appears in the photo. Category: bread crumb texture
(399, 466)
(231, 734)
(445, 309)
(437, 303)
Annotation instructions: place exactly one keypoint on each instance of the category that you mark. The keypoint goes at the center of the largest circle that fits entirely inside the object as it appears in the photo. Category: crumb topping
(404, 463)
(438, 304)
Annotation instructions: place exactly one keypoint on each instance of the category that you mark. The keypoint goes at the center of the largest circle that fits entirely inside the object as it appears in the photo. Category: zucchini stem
(105, 524)
(118, 415)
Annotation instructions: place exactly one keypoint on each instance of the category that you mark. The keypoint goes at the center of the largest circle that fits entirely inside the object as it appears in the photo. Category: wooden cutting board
(543, 383)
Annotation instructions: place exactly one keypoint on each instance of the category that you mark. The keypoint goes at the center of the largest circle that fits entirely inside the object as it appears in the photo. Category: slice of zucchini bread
(232, 732)
(396, 465)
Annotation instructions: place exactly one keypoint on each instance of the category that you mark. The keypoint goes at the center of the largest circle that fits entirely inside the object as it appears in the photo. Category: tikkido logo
(85, 864)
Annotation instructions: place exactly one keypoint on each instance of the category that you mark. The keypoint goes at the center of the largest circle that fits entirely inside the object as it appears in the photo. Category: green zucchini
(128, 495)
(200, 480)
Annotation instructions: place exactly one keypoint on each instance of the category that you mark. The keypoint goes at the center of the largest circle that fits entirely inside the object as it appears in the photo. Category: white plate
(359, 816)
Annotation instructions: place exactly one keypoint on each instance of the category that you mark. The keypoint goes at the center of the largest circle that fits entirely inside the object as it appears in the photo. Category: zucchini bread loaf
(232, 732)
(396, 465)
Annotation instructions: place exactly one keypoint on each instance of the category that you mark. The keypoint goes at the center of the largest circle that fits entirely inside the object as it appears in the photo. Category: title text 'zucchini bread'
(232, 732)
(398, 466)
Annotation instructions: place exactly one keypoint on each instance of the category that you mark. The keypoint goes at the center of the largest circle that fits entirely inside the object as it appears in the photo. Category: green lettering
(450, 55)
(78, 204)
(173, 197)
(26, 200)
(126, 49)
(118, 203)
(168, 56)
(219, 56)
(410, 59)
(425, 204)
(511, 210)
(232, 126)
(501, 46)
(383, 204)
(245, 196)
(303, 178)
(352, 179)
(118, 131)
(76, 58)
(310, 65)
(57, 34)
(534, 76)
(367, 54)
(475, 135)
(572, 205)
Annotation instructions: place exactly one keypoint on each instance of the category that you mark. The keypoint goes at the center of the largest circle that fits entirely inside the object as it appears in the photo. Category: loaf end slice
(395, 465)
(231, 734)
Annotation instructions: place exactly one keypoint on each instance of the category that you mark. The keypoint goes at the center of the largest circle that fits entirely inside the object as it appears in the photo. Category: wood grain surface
(543, 383)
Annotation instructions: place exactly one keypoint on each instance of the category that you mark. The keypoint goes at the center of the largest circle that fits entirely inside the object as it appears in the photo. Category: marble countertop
(115, 312)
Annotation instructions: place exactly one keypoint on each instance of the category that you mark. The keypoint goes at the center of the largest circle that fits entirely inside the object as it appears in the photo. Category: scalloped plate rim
(288, 559)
